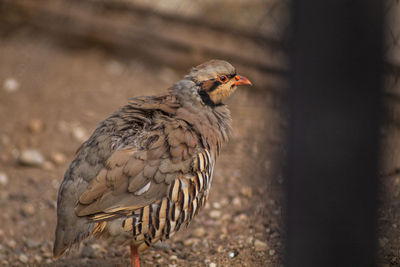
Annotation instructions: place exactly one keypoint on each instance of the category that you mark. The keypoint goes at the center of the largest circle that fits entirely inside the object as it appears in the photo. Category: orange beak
(241, 80)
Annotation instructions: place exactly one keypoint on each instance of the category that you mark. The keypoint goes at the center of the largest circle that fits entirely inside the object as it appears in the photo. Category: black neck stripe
(206, 98)
(214, 86)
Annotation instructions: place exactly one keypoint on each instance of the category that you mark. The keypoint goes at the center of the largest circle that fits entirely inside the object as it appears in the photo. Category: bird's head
(215, 81)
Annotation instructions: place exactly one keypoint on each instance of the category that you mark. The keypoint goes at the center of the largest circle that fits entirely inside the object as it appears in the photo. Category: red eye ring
(223, 78)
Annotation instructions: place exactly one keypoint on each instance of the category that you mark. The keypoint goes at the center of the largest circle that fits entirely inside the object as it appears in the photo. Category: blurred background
(66, 65)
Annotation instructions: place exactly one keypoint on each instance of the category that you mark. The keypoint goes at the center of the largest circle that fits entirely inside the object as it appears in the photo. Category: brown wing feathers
(126, 185)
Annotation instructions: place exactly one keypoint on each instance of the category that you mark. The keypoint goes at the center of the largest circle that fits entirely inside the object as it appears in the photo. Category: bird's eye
(223, 78)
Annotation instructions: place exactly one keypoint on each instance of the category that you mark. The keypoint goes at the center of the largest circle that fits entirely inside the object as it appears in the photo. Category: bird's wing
(133, 178)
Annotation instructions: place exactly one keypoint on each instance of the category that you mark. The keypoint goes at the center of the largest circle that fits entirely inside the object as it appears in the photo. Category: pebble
(38, 258)
(216, 205)
(212, 264)
(241, 218)
(199, 232)
(173, 258)
(23, 258)
(11, 85)
(28, 210)
(58, 158)
(260, 245)
(162, 246)
(30, 243)
(35, 126)
(215, 214)
(233, 254)
(272, 252)
(246, 191)
(79, 133)
(31, 157)
(236, 202)
(11, 243)
(3, 178)
(250, 240)
(191, 241)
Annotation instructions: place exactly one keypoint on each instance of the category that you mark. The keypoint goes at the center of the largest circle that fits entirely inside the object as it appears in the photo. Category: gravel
(31, 157)
(260, 245)
(3, 179)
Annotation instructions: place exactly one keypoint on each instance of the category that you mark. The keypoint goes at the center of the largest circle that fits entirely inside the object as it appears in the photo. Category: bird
(147, 169)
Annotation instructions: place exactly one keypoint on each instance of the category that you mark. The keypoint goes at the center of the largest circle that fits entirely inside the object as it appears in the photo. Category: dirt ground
(51, 99)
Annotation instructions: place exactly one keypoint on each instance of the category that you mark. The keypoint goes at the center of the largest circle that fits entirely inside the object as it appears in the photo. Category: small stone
(11, 243)
(11, 85)
(250, 240)
(241, 218)
(246, 191)
(199, 232)
(220, 249)
(271, 252)
(3, 178)
(260, 245)
(38, 258)
(35, 126)
(216, 205)
(79, 133)
(215, 214)
(28, 210)
(233, 254)
(58, 158)
(173, 258)
(30, 243)
(212, 264)
(31, 157)
(162, 246)
(236, 202)
(191, 241)
(171, 265)
(23, 258)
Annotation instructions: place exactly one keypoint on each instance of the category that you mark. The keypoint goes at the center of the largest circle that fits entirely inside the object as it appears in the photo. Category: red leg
(134, 257)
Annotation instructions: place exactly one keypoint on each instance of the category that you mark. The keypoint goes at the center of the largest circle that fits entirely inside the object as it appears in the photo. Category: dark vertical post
(335, 94)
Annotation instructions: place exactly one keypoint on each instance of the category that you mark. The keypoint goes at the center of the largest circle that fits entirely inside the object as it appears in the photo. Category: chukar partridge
(147, 169)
